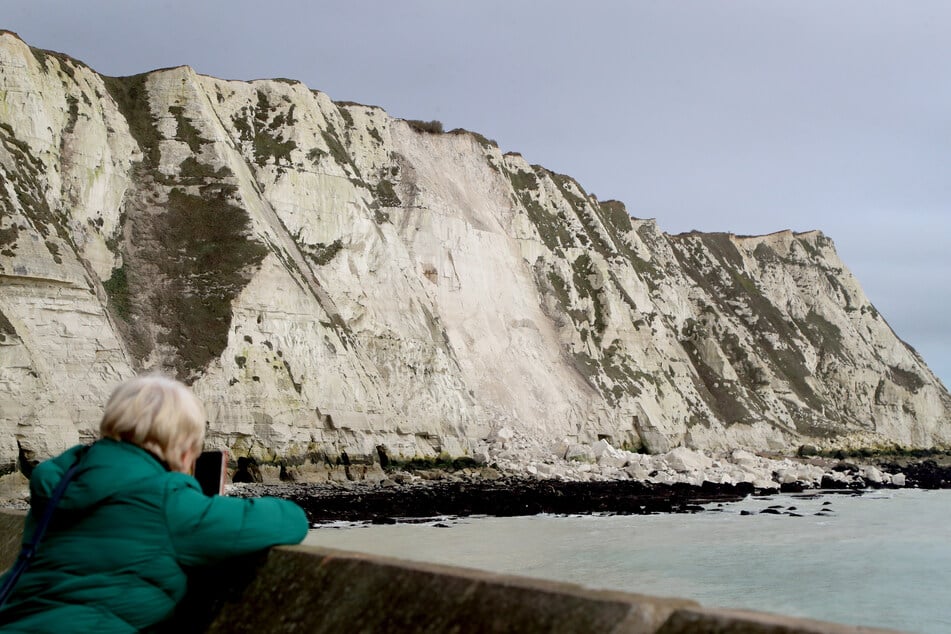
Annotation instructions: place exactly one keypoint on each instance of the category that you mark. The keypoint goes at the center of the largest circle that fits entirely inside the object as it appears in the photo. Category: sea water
(882, 558)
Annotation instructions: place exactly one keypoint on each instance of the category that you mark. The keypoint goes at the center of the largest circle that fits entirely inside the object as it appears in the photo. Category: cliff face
(330, 279)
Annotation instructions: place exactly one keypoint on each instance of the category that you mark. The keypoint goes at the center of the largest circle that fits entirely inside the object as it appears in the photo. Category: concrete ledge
(716, 621)
(11, 534)
(308, 589)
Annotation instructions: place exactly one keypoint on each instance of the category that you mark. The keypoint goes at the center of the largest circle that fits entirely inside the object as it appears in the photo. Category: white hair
(158, 414)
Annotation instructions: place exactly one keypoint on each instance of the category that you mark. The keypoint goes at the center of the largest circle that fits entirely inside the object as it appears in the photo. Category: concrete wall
(11, 531)
(307, 589)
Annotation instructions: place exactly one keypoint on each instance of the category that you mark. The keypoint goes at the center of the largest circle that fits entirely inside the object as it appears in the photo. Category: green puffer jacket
(112, 558)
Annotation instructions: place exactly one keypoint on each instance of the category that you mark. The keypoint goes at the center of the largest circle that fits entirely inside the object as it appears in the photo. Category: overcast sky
(742, 116)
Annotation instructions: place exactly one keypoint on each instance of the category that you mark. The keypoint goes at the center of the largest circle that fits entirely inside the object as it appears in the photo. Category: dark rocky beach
(503, 497)
(933, 473)
(510, 496)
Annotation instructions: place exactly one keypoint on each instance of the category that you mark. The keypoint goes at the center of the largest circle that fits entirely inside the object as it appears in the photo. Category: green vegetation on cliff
(714, 263)
(26, 179)
(193, 251)
(209, 260)
(131, 97)
(552, 229)
(257, 127)
(117, 288)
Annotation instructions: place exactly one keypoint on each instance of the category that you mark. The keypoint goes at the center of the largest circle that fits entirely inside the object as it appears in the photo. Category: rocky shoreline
(514, 476)
(429, 494)
(503, 497)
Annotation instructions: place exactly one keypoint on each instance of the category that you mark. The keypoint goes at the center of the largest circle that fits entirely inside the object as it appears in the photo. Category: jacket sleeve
(205, 530)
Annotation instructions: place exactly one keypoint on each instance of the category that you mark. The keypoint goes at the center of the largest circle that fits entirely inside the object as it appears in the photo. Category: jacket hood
(105, 467)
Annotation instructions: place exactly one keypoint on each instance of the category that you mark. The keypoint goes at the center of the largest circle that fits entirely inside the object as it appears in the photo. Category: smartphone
(211, 469)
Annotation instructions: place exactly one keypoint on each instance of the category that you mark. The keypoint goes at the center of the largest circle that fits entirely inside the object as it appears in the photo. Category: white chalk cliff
(331, 279)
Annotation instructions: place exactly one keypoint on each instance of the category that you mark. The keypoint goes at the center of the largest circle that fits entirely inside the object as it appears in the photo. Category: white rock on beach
(560, 448)
(609, 457)
(744, 458)
(687, 460)
(785, 476)
(502, 435)
(580, 453)
(637, 472)
(873, 474)
(765, 483)
(602, 461)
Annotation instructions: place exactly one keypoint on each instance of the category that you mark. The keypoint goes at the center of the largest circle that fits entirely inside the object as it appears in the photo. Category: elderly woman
(132, 519)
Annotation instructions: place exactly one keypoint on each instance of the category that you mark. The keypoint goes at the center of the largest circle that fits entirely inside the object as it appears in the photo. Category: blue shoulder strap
(29, 550)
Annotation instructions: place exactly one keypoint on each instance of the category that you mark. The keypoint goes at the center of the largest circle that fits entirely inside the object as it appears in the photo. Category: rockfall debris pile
(515, 476)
